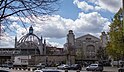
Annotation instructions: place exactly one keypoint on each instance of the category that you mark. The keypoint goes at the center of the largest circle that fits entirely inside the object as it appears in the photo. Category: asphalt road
(106, 69)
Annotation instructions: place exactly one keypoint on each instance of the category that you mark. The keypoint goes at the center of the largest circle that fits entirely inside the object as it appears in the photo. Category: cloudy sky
(81, 16)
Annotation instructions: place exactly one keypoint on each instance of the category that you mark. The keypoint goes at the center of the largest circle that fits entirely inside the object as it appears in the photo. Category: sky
(81, 16)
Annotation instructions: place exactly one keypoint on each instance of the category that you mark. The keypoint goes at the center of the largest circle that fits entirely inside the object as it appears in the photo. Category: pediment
(88, 36)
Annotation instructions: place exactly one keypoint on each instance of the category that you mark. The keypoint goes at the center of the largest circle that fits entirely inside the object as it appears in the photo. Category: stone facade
(88, 45)
(52, 59)
(104, 39)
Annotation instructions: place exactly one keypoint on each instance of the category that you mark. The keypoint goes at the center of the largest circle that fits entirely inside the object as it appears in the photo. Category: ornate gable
(88, 37)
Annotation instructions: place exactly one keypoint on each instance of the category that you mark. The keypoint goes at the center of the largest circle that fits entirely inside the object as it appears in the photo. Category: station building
(32, 50)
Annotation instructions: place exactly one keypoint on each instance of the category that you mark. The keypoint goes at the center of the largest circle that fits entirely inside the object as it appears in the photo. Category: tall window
(90, 49)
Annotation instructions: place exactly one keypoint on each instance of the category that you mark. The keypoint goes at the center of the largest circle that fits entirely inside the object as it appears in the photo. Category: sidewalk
(111, 69)
(106, 69)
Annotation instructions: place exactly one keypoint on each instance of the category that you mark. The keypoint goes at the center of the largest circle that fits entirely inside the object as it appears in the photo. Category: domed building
(27, 48)
(30, 44)
(31, 50)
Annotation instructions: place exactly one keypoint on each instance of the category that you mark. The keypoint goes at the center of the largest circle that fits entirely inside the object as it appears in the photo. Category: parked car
(94, 67)
(40, 65)
(63, 66)
(75, 67)
(47, 70)
(38, 71)
(4, 71)
(121, 69)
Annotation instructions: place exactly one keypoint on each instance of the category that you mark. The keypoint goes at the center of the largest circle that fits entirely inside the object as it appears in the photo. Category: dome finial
(31, 30)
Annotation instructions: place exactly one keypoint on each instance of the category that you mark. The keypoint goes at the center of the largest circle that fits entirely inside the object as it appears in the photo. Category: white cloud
(57, 26)
(91, 23)
(83, 5)
(6, 41)
(112, 6)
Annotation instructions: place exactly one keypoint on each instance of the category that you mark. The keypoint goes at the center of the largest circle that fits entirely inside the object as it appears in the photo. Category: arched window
(90, 48)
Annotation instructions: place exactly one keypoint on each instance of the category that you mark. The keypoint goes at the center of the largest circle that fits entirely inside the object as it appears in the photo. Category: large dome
(29, 40)
(30, 43)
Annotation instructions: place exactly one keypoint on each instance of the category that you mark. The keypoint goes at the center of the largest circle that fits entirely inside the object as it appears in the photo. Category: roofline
(87, 35)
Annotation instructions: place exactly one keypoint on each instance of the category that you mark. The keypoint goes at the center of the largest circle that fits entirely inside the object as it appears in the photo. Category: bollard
(29, 69)
(19, 68)
(78, 71)
(12, 67)
(24, 68)
(66, 70)
(16, 68)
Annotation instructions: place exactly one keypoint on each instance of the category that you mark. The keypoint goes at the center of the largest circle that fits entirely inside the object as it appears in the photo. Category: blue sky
(68, 10)
(81, 16)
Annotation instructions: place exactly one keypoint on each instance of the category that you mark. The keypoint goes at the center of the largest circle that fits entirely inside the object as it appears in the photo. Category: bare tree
(25, 8)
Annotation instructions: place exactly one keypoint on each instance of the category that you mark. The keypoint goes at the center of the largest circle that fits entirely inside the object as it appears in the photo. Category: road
(106, 69)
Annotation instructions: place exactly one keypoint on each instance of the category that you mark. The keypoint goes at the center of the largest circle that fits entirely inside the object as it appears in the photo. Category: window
(90, 48)
(88, 38)
(24, 61)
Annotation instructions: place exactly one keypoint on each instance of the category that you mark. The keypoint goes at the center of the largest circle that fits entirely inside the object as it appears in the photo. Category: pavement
(106, 69)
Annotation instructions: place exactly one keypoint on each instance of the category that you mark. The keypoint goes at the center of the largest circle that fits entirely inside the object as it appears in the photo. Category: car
(47, 70)
(38, 71)
(75, 67)
(4, 71)
(94, 67)
(63, 66)
(121, 69)
(40, 65)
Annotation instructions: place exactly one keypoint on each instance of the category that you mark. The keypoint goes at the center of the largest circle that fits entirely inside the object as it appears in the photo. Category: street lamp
(46, 61)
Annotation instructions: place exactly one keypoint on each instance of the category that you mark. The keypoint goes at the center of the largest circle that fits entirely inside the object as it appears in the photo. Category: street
(106, 69)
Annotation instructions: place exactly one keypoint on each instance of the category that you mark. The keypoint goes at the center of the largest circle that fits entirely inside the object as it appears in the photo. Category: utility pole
(0, 30)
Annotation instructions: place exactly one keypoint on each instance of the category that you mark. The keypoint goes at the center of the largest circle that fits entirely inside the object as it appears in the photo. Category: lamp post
(46, 60)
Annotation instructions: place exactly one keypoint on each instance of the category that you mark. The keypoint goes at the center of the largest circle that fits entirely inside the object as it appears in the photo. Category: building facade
(86, 47)
(31, 50)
